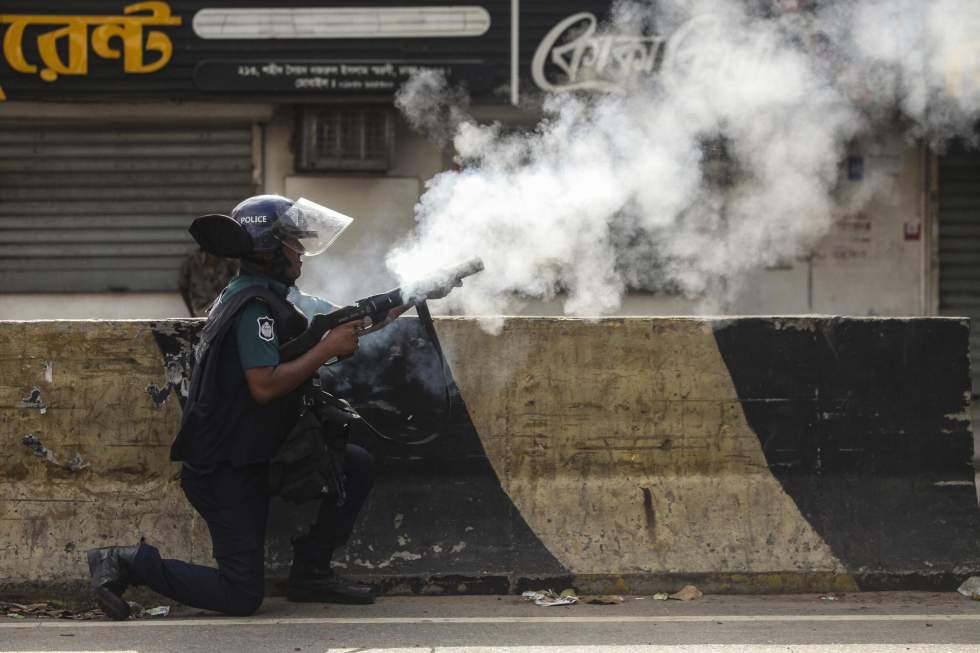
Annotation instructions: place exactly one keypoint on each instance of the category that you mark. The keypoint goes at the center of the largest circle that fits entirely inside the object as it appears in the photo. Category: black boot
(312, 580)
(109, 568)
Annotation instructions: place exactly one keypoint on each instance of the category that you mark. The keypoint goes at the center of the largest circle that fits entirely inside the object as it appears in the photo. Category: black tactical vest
(221, 421)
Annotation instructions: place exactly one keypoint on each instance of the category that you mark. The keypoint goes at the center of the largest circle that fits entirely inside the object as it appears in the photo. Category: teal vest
(221, 422)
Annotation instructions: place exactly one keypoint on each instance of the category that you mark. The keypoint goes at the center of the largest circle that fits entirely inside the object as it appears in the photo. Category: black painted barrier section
(437, 519)
(865, 423)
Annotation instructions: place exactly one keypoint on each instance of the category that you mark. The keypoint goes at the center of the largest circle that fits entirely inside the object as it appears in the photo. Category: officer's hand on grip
(342, 340)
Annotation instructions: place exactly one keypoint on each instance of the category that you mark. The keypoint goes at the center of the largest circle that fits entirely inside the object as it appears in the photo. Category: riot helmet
(261, 226)
(264, 222)
(303, 226)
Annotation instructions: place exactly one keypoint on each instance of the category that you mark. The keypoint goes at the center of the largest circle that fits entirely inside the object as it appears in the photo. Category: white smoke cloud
(616, 190)
(431, 106)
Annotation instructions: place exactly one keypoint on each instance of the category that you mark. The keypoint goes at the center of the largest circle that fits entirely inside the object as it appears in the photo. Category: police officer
(242, 402)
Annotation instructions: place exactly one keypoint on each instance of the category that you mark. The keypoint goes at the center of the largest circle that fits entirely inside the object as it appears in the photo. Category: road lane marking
(686, 648)
(638, 648)
(619, 648)
(380, 621)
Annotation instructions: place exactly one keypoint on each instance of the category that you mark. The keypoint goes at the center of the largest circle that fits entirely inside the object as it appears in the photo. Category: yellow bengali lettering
(13, 48)
(127, 29)
(76, 33)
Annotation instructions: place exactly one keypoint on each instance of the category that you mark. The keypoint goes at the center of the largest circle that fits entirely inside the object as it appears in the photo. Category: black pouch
(309, 463)
(334, 415)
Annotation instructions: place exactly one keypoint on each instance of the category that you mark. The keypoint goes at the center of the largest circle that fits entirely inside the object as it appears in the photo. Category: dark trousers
(234, 502)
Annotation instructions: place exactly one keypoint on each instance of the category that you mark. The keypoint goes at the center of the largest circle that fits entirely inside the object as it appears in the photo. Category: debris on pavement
(55, 610)
(829, 597)
(46, 609)
(971, 588)
(687, 593)
(549, 598)
(661, 596)
(605, 600)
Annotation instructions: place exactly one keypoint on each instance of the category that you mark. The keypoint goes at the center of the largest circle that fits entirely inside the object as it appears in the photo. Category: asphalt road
(854, 623)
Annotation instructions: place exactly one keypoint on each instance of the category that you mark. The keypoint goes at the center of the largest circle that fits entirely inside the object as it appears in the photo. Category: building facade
(119, 123)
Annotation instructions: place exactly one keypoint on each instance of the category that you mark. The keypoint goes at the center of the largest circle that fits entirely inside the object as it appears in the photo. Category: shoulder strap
(223, 314)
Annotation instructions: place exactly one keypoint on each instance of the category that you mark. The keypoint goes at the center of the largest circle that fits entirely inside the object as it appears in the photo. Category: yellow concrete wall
(622, 443)
(92, 379)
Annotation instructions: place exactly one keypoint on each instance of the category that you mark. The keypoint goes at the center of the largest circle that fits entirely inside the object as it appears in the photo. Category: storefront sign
(439, 22)
(573, 57)
(61, 50)
(355, 77)
(70, 34)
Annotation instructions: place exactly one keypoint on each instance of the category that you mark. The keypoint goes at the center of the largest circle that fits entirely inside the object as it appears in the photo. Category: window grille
(346, 138)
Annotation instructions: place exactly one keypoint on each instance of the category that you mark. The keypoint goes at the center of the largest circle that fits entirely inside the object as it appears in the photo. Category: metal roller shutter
(96, 207)
(959, 242)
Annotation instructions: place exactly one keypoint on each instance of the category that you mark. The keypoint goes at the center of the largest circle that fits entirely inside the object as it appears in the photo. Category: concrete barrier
(756, 454)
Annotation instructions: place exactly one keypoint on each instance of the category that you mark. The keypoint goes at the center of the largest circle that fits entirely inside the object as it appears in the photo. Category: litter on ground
(549, 598)
(971, 588)
(687, 593)
(45, 609)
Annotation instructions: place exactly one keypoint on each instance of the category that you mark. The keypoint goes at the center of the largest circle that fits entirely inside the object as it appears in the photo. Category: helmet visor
(309, 228)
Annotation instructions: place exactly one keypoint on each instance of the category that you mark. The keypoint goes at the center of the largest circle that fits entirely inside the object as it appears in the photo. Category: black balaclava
(275, 266)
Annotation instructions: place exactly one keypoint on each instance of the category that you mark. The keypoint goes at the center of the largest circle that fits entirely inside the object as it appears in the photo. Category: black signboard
(257, 50)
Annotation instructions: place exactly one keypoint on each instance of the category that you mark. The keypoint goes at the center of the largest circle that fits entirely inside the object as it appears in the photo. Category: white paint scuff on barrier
(73, 464)
(33, 400)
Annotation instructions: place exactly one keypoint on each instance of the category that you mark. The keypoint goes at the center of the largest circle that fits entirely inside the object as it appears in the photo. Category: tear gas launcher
(376, 307)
